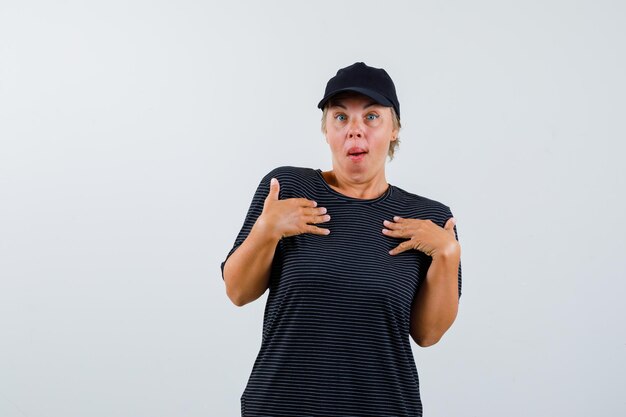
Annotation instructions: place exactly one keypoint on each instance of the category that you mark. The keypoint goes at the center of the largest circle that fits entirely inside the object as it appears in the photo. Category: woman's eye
(372, 116)
(340, 117)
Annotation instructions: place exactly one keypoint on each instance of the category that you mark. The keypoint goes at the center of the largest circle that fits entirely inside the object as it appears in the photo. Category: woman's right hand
(292, 216)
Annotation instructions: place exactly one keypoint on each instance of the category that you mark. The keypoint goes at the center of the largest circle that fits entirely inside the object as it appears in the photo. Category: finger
(395, 229)
(274, 190)
(449, 226)
(317, 230)
(393, 233)
(398, 249)
(391, 225)
(312, 211)
(305, 202)
(318, 218)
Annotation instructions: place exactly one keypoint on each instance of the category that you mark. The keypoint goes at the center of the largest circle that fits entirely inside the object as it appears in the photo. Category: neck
(357, 186)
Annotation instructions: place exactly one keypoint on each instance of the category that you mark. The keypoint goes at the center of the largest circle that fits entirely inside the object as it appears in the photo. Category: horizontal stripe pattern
(335, 337)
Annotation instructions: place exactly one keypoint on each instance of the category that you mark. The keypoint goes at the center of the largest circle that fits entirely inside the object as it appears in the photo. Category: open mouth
(357, 157)
(356, 150)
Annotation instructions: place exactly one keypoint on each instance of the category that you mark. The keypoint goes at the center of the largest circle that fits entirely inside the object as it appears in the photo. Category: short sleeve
(456, 235)
(254, 211)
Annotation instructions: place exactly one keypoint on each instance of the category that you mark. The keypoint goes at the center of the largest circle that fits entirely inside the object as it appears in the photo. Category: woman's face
(355, 124)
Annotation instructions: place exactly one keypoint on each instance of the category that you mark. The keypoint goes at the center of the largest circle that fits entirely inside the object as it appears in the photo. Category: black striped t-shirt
(335, 338)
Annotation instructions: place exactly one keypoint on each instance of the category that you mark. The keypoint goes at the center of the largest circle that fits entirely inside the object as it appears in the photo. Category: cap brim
(379, 98)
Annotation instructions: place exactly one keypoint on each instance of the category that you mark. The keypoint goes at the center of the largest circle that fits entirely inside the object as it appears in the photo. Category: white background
(134, 133)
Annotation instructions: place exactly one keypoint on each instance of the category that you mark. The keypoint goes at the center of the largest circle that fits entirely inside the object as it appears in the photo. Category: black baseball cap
(372, 82)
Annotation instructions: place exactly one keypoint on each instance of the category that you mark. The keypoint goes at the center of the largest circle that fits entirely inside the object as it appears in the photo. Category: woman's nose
(355, 130)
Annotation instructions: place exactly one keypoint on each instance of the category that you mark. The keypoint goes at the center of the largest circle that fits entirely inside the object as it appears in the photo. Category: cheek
(333, 139)
(334, 133)
(336, 143)
(335, 126)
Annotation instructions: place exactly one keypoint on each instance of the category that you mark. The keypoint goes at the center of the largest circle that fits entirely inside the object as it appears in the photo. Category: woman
(354, 265)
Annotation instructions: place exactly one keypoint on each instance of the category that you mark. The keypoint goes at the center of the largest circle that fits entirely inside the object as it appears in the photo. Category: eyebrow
(338, 104)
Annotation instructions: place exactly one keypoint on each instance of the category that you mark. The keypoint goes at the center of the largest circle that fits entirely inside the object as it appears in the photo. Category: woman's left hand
(423, 235)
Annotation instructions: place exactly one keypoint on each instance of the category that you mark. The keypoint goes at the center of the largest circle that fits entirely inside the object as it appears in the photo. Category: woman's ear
(394, 134)
(394, 130)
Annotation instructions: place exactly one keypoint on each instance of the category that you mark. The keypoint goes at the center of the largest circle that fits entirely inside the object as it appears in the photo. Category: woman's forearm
(247, 270)
(436, 304)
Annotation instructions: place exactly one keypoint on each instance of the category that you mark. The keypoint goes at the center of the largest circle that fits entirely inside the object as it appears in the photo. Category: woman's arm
(247, 270)
(436, 303)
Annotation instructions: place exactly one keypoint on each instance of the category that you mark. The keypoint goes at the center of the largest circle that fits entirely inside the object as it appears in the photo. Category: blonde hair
(393, 145)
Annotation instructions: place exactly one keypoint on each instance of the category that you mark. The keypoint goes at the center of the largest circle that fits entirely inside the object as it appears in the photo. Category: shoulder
(419, 199)
(288, 172)
(291, 179)
(424, 207)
